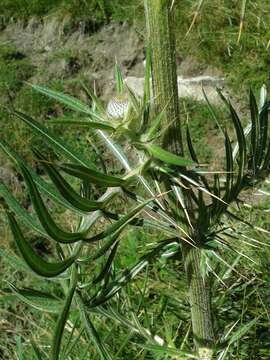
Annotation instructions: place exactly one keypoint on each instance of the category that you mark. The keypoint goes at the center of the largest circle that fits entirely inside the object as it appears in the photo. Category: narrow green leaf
(100, 252)
(56, 143)
(115, 149)
(212, 110)
(21, 213)
(151, 133)
(266, 160)
(96, 177)
(34, 261)
(118, 79)
(93, 334)
(229, 169)
(167, 157)
(133, 100)
(255, 129)
(37, 299)
(120, 224)
(107, 267)
(263, 120)
(44, 217)
(66, 190)
(67, 100)
(190, 146)
(88, 124)
(128, 275)
(242, 149)
(61, 322)
(48, 189)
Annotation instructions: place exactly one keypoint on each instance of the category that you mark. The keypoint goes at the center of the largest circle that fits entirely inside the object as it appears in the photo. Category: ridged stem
(159, 20)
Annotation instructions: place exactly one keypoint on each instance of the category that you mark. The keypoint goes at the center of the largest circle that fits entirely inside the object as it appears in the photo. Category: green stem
(159, 20)
(165, 91)
(200, 302)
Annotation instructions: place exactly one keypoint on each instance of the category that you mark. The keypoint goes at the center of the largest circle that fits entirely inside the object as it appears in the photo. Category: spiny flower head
(118, 106)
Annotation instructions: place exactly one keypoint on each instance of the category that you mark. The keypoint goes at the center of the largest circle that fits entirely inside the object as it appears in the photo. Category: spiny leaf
(37, 299)
(190, 146)
(120, 224)
(128, 275)
(67, 100)
(66, 190)
(96, 177)
(44, 217)
(118, 79)
(42, 184)
(34, 261)
(60, 326)
(20, 211)
(87, 124)
(56, 143)
(167, 157)
(96, 103)
(151, 133)
(229, 169)
(242, 149)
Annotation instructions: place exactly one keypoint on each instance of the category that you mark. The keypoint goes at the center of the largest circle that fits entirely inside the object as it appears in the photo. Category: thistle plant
(172, 193)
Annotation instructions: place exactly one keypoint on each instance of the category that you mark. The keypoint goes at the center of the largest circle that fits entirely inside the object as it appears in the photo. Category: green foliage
(98, 11)
(247, 165)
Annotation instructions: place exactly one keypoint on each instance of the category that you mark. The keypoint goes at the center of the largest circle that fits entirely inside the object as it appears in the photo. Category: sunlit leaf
(167, 157)
(56, 143)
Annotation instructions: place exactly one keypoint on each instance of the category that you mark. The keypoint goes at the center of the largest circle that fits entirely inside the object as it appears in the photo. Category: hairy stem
(159, 20)
(200, 302)
(162, 43)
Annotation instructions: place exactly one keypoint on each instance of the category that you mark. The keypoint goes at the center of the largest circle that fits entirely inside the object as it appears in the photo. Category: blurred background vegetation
(207, 34)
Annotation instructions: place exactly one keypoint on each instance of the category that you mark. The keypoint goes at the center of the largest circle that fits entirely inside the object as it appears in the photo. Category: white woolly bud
(118, 107)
